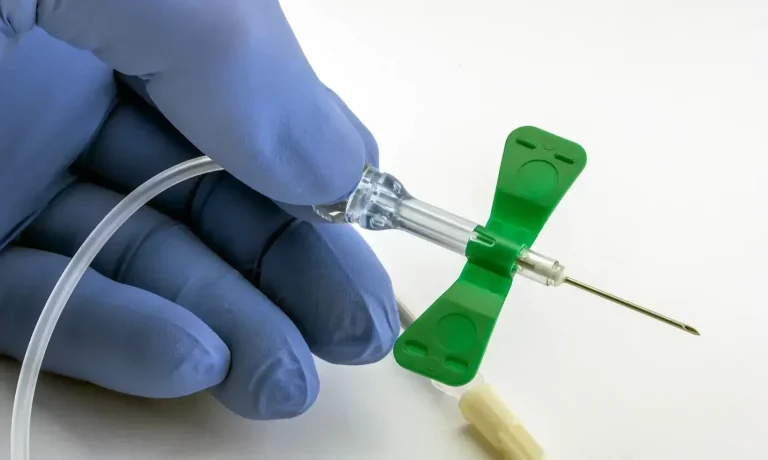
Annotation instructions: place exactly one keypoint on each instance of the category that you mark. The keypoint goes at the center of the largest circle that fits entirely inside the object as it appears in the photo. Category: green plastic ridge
(447, 343)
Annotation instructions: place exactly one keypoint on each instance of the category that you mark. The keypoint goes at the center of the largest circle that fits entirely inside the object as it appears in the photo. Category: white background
(669, 99)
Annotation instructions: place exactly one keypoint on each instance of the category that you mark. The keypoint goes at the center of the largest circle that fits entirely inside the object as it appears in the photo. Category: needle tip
(690, 330)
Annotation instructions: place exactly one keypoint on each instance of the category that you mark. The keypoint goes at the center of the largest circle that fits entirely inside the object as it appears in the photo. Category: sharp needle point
(632, 306)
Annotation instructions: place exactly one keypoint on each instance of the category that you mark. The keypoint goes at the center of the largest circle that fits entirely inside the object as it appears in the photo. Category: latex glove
(215, 287)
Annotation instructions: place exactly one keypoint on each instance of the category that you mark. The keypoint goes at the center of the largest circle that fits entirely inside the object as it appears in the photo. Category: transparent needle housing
(381, 202)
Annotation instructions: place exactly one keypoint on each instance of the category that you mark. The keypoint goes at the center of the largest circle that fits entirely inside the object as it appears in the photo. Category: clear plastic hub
(381, 202)
(540, 268)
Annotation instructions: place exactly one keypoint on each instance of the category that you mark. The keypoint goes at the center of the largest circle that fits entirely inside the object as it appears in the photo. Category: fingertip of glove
(355, 347)
(284, 391)
(283, 387)
(289, 141)
(335, 290)
(371, 146)
(113, 335)
(366, 320)
(202, 364)
(157, 349)
(323, 151)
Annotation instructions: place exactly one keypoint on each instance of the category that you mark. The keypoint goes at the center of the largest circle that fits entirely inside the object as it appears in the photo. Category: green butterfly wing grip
(447, 343)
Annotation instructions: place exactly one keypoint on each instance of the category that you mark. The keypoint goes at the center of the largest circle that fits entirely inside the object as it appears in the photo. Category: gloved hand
(214, 286)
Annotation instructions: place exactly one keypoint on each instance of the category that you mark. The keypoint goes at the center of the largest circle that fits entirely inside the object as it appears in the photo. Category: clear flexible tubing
(33, 359)
(380, 202)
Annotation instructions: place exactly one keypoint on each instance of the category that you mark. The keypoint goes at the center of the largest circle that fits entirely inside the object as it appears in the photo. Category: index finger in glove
(233, 79)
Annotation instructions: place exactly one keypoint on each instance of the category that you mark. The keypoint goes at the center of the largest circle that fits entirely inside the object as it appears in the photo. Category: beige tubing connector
(485, 411)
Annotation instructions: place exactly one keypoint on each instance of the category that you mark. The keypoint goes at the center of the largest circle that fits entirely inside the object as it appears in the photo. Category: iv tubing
(33, 359)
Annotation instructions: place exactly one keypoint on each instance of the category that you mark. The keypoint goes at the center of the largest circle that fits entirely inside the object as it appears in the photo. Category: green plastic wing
(448, 341)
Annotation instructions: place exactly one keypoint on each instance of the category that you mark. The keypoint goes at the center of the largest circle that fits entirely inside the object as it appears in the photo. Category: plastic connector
(488, 414)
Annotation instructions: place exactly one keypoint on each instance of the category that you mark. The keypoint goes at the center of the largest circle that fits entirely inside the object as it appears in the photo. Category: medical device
(448, 341)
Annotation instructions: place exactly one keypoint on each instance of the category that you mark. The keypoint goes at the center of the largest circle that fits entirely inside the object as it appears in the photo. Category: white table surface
(669, 99)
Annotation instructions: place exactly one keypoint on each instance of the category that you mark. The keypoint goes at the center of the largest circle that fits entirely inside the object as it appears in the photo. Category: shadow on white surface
(73, 419)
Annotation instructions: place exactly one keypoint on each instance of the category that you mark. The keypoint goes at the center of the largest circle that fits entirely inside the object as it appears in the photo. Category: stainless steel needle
(631, 306)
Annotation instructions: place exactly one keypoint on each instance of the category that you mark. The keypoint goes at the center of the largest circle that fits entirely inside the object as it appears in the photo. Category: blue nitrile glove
(213, 287)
